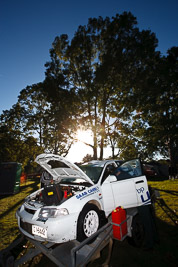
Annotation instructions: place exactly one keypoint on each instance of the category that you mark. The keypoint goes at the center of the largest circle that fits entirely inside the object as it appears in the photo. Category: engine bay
(53, 194)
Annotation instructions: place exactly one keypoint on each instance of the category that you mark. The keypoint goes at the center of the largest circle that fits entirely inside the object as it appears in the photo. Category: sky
(28, 28)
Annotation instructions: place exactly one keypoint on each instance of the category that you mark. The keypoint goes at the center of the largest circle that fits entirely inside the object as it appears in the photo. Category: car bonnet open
(59, 168)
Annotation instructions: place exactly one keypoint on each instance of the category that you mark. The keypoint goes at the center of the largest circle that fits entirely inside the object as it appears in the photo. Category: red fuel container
(119, 223)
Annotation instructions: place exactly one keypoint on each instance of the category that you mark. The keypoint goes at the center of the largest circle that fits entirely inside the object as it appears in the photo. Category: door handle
(139, 182)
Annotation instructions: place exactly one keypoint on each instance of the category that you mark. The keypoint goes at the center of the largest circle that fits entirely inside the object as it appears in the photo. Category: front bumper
(59, 230)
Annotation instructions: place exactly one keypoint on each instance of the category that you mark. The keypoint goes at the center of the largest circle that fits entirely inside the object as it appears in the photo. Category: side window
(128, 170)
(109, 170)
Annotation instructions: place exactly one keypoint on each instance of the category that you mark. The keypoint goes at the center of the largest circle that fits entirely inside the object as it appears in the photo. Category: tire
(138, 232)
(89, 222)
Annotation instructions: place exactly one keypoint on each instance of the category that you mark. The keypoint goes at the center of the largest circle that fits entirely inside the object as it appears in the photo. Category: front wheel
(88, 222)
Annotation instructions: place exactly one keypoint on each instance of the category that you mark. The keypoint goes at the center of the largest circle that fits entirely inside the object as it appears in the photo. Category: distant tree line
(108, 78)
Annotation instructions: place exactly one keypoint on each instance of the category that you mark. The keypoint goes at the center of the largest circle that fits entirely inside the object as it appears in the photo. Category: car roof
(101, 163)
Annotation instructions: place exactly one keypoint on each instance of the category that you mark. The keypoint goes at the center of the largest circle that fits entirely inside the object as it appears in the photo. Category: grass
(8, 206)
(169, 195)
(164, 254)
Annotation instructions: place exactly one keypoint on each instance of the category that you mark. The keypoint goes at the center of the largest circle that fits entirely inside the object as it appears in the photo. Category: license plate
(39, 231)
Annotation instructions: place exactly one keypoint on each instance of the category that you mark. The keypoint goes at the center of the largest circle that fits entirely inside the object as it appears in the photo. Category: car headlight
(46, 213)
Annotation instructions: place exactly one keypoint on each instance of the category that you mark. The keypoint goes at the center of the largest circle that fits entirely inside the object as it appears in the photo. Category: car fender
(79, 200)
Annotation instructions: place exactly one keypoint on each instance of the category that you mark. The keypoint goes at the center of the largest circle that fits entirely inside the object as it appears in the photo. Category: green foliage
(104, 62)
(156, 121)
(87, 158)
(108, 78)
(16, 145)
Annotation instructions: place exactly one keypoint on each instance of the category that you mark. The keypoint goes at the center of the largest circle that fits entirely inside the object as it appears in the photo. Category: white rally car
(75, 201)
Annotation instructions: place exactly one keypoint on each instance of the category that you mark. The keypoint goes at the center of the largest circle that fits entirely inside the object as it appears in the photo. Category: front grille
(30, 211)
(26, 227)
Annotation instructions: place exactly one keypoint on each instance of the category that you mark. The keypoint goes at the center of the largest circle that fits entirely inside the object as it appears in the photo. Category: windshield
(92, 171)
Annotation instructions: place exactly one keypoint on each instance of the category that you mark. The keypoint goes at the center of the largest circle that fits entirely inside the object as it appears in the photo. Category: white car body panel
(106, 194)
(120, 193)
(108, 197)
(59, 173)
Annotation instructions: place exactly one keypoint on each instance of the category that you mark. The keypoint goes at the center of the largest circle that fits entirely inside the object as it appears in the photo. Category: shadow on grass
(22, 187)
(5, 196)
(168, 211)
(34, 187)
(171, 192)
(163, 254)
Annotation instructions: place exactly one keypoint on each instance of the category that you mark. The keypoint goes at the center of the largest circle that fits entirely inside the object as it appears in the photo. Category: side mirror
(112, 178)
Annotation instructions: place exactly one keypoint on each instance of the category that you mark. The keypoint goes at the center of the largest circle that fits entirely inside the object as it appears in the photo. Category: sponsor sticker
(144, 195)
(140, 190)
(87, 192)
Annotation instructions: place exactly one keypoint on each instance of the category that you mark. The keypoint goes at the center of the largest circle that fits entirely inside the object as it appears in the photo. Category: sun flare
(80, 148)
(84, 136)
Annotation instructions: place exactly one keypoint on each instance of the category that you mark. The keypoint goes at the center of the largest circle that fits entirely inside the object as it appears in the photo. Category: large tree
(35, 105)
(105, 61)
(63, 112)
(48, 121)
(108, 78)
(15, 143)
(155, 123)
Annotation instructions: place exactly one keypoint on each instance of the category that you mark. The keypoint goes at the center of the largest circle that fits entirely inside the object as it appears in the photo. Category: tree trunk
(102, 135)
(113, 156)
(95, 143)
(172, 156)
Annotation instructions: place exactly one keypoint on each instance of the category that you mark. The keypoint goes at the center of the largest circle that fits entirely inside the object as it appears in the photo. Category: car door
(107, 195)
(106, 187)
(124, 193)
(130, 189)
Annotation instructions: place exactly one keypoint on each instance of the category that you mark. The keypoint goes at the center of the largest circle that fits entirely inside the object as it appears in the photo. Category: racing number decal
(148, 197)
(140, 191)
